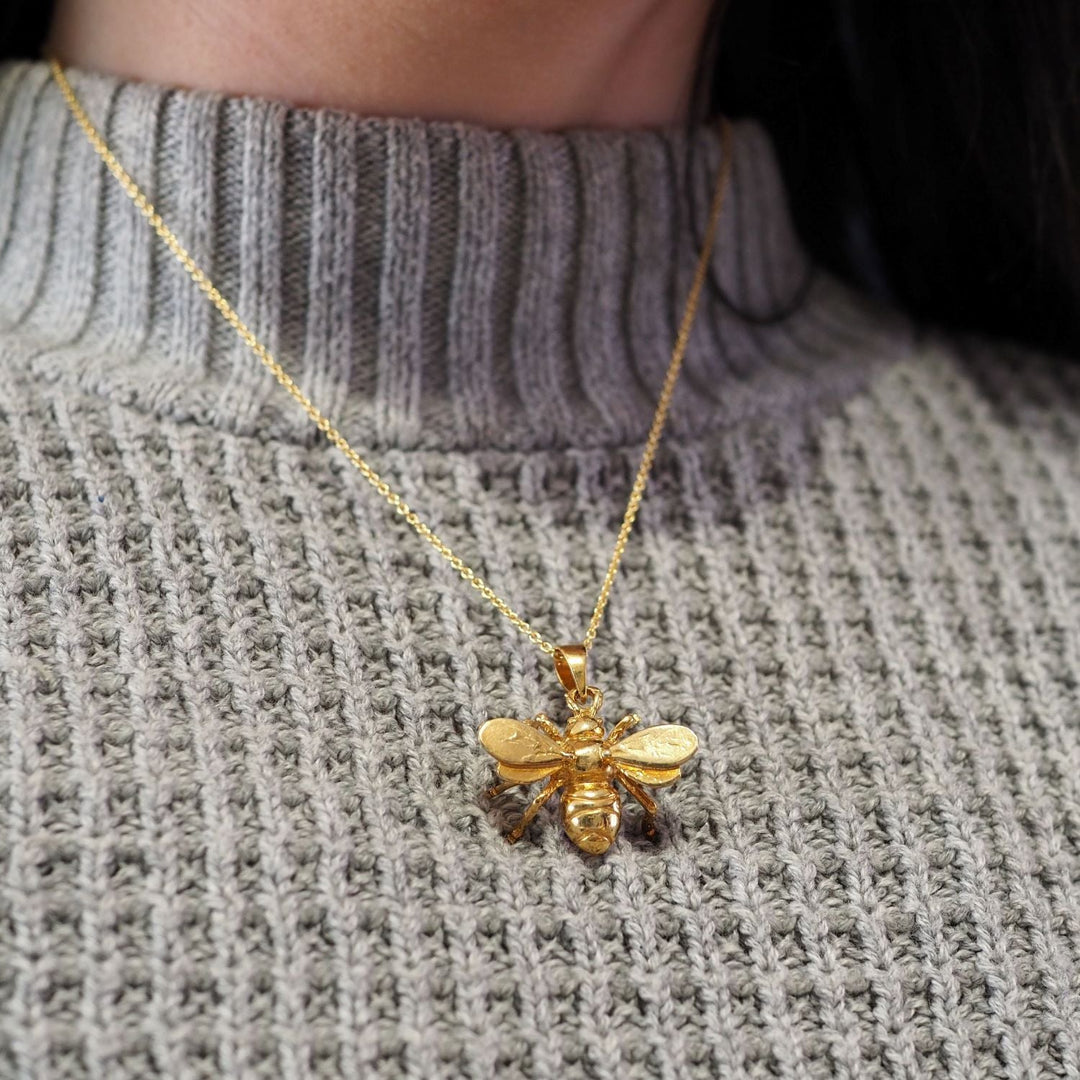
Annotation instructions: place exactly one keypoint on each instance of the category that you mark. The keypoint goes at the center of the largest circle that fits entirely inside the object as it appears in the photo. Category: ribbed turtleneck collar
(430, 284)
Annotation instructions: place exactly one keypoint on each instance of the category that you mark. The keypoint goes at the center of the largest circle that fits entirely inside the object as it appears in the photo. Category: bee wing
(520, 746)
(652, 777)
(526, 774)
(657, 749)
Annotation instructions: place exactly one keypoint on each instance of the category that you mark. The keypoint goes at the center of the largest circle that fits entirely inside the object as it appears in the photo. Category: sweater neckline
(429, 284)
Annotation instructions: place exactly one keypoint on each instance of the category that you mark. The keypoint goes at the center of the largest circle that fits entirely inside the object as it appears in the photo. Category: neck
(526, 63)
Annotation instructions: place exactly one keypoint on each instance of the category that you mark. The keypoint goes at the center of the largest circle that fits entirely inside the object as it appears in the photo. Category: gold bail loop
(570, 661)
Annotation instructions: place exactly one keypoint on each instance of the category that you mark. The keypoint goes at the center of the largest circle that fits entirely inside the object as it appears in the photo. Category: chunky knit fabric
(242, 829)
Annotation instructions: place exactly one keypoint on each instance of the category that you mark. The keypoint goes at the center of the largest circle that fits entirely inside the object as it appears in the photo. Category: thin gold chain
(333, 435)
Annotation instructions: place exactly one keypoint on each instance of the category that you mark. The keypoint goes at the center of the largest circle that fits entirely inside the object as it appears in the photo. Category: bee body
(586, 764)
(592, 814)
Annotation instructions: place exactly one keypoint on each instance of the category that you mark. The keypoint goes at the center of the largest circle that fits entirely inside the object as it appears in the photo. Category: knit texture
(242, 828)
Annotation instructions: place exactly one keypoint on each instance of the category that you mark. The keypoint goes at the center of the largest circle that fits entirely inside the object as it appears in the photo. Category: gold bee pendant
(583, 762)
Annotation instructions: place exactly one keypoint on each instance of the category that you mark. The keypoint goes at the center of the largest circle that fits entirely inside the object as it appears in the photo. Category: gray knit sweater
(241, 824)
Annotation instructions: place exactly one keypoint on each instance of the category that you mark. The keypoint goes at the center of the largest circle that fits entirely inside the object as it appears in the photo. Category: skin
(546, 64)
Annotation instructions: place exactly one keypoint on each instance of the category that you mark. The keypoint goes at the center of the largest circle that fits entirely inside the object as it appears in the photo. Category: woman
(244, 825)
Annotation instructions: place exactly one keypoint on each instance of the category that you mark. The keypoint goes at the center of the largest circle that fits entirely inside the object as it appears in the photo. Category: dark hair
(931, 148)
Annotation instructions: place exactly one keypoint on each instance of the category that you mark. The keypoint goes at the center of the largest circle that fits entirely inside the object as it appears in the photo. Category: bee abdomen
(591, 813)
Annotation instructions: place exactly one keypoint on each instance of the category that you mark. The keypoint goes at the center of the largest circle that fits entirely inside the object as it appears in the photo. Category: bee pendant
(583, 762)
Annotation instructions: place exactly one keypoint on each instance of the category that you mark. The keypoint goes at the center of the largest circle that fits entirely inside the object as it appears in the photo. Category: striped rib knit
(241, 824)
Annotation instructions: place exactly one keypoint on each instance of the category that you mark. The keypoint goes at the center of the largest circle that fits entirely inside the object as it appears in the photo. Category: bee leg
(498, 789)
(648, 824)
(546, 724)
(548, 790)
(621, 728)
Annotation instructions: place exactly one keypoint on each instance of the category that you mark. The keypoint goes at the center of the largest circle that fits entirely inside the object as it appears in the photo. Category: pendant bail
(570, 661)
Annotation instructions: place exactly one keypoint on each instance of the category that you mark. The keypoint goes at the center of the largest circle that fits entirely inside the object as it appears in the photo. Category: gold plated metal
(570, 664)
(582, 761)
(586, 763)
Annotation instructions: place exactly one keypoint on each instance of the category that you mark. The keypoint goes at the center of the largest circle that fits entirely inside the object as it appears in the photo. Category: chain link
(334, 436)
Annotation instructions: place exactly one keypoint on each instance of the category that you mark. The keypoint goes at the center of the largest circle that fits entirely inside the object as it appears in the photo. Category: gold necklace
(582, 760)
